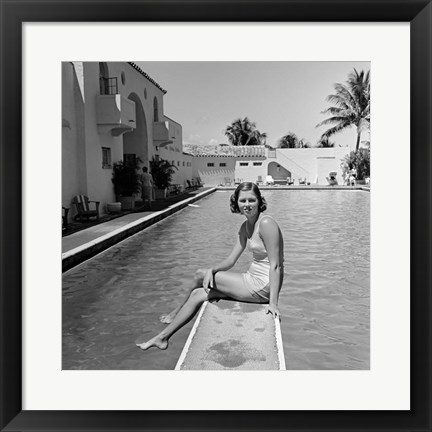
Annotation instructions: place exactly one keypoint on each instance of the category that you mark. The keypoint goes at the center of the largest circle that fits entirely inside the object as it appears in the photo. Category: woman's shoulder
(268, 222)
(267, 219)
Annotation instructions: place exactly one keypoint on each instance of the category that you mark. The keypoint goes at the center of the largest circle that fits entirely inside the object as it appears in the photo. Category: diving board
(230, 335)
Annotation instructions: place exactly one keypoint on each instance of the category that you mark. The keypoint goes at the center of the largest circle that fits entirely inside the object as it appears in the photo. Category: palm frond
(336, 111)
(350, 104)
(334, 130)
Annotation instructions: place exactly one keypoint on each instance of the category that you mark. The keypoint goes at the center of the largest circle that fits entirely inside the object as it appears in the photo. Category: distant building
(255, 163)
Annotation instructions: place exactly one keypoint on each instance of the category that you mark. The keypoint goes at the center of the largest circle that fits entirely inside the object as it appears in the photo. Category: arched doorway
(135, 143)
(277, 171)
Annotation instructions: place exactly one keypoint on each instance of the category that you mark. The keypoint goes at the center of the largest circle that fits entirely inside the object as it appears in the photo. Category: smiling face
(248, 203)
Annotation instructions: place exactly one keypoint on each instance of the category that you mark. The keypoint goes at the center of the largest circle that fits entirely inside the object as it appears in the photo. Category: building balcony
(161, 136)
(115, 114)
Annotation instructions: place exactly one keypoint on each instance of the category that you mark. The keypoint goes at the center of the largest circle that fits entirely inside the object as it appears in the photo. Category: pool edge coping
(302, 187)
(88, 250)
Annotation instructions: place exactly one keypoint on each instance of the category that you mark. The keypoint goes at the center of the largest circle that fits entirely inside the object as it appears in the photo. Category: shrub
(161, 171)
(359, 160)
(125, 178)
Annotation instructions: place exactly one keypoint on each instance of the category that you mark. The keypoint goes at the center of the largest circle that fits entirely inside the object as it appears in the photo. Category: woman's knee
(198, 295)
(199, 277)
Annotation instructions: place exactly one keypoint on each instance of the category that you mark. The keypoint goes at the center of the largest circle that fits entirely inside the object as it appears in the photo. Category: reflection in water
(114, 298)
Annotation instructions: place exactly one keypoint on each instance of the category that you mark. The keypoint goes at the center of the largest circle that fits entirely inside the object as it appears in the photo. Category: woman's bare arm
(228, 262)
(272, 238)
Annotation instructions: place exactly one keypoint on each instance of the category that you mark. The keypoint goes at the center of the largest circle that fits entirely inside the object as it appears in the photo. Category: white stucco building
(111, 111)
(114, 111)
(253, 163)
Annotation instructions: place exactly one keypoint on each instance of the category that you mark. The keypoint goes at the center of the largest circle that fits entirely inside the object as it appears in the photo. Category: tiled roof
(229, 156)
(214, 155)
(138, 69)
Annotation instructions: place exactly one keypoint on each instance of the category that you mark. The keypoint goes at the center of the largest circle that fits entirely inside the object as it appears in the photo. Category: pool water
(118, 296)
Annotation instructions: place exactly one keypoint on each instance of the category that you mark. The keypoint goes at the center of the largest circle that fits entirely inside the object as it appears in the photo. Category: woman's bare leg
(227, 285)
(197, 283)
(185, 314)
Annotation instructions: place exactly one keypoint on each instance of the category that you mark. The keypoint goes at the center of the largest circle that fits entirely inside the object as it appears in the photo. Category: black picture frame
(15, 12)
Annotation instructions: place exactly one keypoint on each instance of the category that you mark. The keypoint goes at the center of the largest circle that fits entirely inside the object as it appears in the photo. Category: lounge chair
(82, 205)
(65, 211)
(199, 183)
(227, 181)
(303, 181)
(174, 189)
(269, 180)
(191, 184)
(259, 180)
(290, 181)
(332, 181)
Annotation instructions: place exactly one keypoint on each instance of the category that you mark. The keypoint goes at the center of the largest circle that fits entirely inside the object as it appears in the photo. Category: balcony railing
(108, 86)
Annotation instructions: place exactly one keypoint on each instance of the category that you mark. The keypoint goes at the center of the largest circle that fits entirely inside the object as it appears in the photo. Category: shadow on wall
(216, 177)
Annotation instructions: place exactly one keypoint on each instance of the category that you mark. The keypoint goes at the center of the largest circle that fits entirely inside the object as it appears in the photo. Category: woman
(260, 284)
(146, 187)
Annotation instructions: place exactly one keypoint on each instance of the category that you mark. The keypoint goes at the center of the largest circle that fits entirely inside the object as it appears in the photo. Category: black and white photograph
(216, 215)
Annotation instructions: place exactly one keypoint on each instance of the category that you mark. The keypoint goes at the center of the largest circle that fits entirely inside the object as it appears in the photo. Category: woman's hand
(208, 279)
(274, 310)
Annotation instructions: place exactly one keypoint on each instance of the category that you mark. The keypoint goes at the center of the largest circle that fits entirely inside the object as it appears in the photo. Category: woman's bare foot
(154, 342)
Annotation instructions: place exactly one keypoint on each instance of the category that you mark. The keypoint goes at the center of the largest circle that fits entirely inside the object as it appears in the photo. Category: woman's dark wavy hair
(247, 186)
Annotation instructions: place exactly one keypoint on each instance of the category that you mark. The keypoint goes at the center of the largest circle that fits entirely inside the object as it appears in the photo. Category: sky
(280, 97)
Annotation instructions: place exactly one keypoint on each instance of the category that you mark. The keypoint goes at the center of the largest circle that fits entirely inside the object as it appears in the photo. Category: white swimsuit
(257, 279)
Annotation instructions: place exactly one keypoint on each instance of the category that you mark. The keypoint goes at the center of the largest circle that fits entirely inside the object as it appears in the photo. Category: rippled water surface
(116, 297)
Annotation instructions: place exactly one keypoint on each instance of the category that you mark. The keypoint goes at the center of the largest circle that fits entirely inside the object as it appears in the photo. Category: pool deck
(229, 335)
(84, 244)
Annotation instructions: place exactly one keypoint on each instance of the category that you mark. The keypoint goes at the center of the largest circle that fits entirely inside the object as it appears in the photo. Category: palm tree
(256, 138)
(290, 140)
(352, 106)
(303, 143)
(324, 142)
(244, 132)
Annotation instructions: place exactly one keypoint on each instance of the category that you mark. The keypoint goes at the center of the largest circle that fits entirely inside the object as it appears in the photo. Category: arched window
(103, 78)
(156, 110)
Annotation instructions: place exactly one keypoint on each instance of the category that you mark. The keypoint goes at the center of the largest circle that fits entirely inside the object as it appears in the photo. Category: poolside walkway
(86, 243)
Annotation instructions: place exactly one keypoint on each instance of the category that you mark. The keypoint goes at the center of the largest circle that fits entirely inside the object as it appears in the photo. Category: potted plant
(162, 172)
(126, 183)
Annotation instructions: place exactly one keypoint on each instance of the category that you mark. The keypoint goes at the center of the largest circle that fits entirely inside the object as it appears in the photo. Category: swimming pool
(112, 299)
